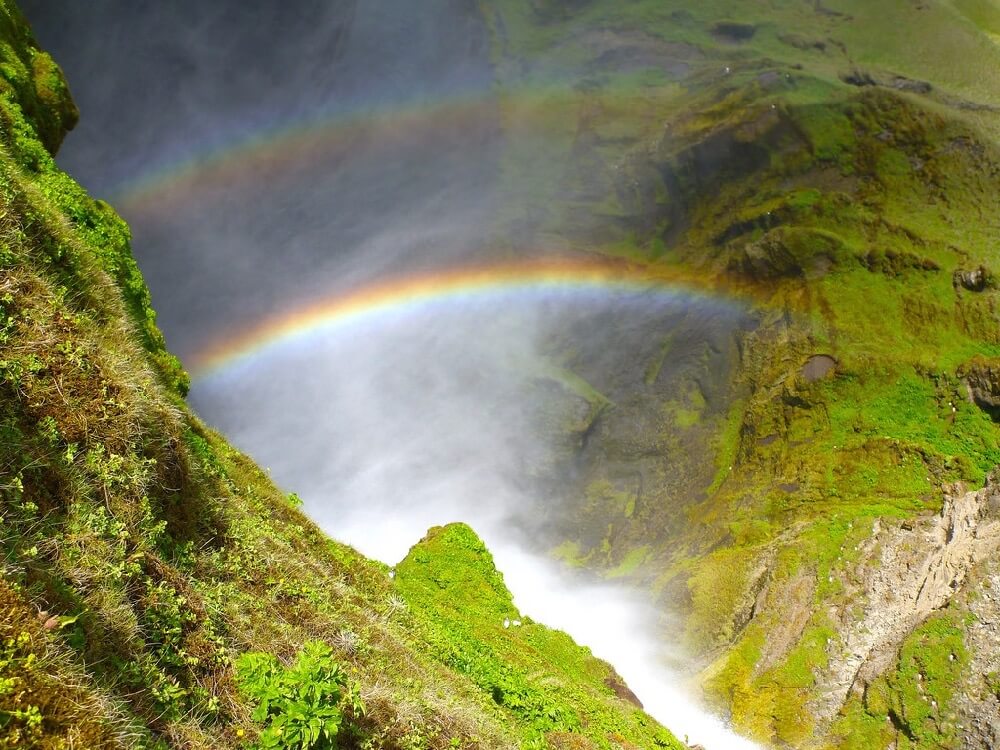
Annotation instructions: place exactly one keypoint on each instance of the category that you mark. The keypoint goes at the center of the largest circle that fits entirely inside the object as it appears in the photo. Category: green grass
(454, 590)
(158, 591)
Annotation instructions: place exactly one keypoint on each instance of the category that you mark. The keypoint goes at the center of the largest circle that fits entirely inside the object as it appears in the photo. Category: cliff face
(815, 517)
(157, 589)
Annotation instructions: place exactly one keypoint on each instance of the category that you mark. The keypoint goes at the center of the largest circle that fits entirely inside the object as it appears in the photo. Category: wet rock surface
(818, 367)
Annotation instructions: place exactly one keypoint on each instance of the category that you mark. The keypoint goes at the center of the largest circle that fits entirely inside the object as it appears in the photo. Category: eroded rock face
(982, 378)
(621, 689)
(979, 704)
(905, 572)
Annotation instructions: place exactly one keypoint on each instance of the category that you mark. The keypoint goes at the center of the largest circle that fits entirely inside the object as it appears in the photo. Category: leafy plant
(20, 721)
(299, 705)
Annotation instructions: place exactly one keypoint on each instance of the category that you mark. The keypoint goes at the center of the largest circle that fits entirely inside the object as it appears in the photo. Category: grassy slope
(142, 555)
(839, 214)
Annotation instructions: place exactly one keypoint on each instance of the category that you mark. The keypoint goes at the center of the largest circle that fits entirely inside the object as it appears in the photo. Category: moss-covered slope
(833, 166)
(151, 575)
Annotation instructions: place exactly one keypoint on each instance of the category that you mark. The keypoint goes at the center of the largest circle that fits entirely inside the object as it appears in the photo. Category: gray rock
(975, 280)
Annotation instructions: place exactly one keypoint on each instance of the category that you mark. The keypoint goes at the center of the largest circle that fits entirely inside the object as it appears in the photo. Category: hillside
(833, 166)
(158, 590)
(807, 489)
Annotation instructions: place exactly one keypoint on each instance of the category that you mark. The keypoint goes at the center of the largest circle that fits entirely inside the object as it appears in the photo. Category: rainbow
(255, 156)
(526, 112)
(456, 285)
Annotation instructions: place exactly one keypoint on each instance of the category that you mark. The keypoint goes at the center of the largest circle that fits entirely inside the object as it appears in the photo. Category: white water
(613, 621)
(616, 625)
(420, 420)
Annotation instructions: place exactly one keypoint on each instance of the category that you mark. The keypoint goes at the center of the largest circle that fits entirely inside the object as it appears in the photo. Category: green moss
(630, 563)
(716, 588)
(538, 675)
(830, 133)
(914, 701)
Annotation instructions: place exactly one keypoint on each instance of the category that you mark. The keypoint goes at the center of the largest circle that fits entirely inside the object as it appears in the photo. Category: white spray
(423, 416)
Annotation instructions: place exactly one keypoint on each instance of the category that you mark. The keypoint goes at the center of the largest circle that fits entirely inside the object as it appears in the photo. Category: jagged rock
(975, 280)
(902, 577)
(982, 379)
(979, 701)
(766, 259)
(859, 78)
(787, 252)
(911, 85)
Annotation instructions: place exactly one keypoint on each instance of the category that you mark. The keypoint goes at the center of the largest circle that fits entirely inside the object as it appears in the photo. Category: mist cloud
(425, 415)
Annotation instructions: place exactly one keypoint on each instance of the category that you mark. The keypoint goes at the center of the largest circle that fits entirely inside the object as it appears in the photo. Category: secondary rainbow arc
(247, 156)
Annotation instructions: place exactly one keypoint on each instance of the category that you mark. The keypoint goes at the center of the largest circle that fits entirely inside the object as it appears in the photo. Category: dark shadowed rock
(902, 83)
(730, 31)
(768, 258)
(982, 378)
(859, 78)
(623, 691)
(975, 280)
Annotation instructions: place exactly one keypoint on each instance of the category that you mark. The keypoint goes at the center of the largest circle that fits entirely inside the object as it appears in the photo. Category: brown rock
(623, 691)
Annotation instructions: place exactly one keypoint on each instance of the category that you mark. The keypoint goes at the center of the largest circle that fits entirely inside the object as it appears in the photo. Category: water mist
(421, 414)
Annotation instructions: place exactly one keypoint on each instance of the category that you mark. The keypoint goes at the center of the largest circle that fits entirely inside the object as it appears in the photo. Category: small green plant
(300, 705)
(20, 721)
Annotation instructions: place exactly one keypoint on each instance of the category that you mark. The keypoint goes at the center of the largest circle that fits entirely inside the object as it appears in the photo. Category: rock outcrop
(982, 379)
(974, 280)
(906, 571)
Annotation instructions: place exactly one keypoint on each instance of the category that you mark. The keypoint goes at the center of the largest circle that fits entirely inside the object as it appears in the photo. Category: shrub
(299, 706)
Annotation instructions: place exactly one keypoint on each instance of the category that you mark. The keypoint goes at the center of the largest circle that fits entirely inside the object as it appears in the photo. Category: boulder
(975, 280)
